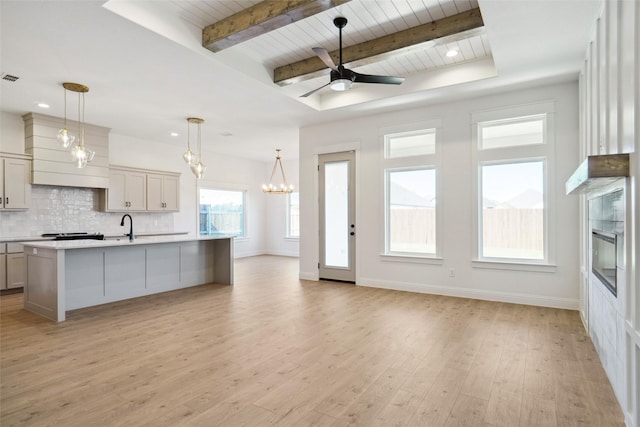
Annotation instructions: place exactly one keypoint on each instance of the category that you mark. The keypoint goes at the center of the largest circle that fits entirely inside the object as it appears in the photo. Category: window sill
(292, 239)
(412, 259)
(514, 266)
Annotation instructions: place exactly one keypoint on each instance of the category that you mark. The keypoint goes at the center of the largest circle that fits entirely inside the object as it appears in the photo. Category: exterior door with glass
(337, 216)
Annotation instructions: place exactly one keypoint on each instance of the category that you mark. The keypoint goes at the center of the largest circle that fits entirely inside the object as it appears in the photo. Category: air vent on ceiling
(9, 77)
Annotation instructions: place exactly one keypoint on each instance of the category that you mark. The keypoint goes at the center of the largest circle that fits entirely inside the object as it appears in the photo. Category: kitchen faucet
(130, 226)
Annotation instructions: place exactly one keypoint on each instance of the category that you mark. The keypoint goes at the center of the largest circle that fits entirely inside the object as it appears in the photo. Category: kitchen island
(67, 275)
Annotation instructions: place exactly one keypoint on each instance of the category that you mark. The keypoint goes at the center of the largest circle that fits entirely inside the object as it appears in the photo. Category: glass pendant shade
(189, 157)
(272, 188)
(198, 169)
(192, 159)
(79, 153)
(64, 138)
(81, 156)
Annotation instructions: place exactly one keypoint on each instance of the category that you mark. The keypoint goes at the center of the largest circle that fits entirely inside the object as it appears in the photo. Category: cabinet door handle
(6, 201)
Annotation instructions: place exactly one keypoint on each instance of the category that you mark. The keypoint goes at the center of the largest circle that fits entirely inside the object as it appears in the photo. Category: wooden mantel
(597, 171)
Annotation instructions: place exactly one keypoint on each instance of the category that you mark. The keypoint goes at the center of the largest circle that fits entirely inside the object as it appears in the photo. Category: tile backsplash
(69, 209)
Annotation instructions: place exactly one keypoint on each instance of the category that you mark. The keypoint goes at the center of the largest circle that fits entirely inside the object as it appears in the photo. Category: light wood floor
(275, 350)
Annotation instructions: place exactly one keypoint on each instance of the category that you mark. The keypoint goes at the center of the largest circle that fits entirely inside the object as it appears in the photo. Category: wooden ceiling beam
(259, 19)
(380, 48)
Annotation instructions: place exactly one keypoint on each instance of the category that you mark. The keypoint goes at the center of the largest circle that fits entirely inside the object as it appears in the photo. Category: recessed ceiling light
(174, 134)
(42, 105)
(452, 52)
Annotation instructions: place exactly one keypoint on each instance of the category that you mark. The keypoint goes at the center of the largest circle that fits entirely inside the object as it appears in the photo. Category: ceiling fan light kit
(341, 78)
(341, 84)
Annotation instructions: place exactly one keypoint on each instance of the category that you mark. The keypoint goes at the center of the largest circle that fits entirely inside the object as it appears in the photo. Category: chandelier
(283, 188)
(79, 153)
(194, 161)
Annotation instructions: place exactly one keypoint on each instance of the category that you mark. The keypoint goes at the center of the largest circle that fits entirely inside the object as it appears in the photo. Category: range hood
(598, 171)
(52, 165)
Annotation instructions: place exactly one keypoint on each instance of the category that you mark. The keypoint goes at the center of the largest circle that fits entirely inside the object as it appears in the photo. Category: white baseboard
(247, 254)
(527, 299)
(308, 276)
(283, 253)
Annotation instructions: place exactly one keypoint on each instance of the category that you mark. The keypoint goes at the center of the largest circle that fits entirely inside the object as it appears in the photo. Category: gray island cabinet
(67, 275)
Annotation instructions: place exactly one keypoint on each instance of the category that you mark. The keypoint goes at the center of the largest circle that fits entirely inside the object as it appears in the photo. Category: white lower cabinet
(3, 270)
(11, 266)
(100, 275)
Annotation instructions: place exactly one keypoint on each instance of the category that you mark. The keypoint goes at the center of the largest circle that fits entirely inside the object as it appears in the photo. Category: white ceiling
(148, 72)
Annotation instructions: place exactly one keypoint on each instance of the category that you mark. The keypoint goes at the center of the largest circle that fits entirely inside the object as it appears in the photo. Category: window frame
(544, 152)
(219, 187)
(513, 120)
(288, 234)
(418, 162)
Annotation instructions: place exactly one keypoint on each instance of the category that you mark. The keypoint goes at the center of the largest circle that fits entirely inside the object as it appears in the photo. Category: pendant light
(64, 138)
(189, 156)
(197, 167)
(80, 154)
(283, 188)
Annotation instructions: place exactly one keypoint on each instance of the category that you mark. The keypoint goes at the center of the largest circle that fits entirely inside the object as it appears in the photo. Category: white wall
(11, 133)
(610, 123)
(558, 288)
(276, 213)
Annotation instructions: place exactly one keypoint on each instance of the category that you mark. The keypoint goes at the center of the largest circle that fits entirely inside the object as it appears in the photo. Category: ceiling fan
(342, 78)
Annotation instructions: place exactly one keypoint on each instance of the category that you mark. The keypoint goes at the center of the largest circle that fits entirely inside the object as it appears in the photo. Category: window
(513, 210)
(514, 158)
(512, 132)
(222, 212)
(293, 215)
(411, 210)
(408, 144)
(409, 168)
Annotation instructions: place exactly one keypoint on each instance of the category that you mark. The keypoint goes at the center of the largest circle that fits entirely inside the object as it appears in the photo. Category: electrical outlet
(452, 272)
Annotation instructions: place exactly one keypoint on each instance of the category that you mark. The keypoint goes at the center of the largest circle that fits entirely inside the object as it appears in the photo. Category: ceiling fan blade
(387, 80)
(314, 91)
(325, 57)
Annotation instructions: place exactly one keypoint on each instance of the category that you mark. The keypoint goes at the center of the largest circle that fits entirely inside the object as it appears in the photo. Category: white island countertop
(122, 241)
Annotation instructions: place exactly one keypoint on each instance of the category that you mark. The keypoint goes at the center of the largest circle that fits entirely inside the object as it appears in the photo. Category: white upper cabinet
(141, 190)
(163, 192)
(127, 191)
(15, 183)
